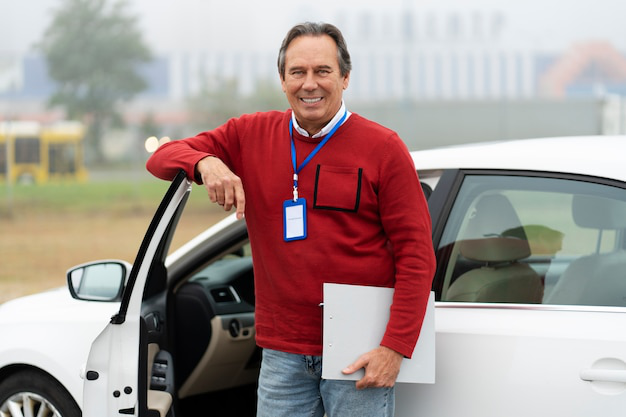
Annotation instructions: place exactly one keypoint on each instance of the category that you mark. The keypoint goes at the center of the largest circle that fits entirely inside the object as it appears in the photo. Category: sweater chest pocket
(337, 188)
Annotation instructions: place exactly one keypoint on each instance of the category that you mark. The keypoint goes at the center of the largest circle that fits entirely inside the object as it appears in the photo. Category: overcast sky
(170, 25)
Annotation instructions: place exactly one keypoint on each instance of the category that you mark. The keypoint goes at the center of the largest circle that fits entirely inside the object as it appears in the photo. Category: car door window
(529, 239)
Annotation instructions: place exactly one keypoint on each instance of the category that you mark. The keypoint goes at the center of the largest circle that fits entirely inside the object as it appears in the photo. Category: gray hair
(316, 29)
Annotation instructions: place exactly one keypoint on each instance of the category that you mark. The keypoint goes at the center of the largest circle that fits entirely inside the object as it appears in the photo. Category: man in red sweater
(328, 196)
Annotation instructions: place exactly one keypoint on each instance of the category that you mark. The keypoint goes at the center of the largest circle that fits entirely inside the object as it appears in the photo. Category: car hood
(53, 305)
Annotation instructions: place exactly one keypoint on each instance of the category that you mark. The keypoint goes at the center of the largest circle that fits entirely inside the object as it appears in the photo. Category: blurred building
(403, 55)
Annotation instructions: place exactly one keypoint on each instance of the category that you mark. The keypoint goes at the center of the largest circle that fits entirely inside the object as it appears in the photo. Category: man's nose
(310, 82)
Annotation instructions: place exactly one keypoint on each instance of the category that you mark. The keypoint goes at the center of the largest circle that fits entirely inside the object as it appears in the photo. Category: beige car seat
(502, 279)
(496, 276)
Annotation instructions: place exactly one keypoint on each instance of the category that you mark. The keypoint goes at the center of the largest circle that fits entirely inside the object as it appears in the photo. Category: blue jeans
(291, 385)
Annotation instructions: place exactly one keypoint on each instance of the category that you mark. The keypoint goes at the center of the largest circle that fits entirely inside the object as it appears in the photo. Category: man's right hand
(222, 185)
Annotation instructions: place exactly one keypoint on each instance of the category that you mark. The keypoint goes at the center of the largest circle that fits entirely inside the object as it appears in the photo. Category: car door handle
(607, 375)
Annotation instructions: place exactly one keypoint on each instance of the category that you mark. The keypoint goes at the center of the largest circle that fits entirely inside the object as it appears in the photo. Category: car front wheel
(29, 393)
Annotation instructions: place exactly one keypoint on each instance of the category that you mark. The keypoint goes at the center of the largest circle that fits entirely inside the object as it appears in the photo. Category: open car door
(116, 373)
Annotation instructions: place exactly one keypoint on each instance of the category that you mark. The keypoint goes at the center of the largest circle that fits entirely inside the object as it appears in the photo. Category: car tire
(36, 391)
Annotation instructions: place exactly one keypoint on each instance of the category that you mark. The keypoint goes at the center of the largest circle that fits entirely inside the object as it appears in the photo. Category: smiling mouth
(311, 100)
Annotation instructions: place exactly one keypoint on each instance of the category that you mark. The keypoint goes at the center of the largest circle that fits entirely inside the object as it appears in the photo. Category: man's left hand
(382, 366)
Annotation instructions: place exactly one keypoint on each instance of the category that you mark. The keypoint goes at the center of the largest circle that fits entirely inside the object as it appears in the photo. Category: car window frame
(164, 243)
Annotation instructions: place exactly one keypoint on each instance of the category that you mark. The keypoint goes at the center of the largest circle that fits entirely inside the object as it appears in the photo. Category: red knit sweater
(368, 222)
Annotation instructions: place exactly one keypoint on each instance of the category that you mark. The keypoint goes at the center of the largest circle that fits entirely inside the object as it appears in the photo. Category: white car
(530, 238)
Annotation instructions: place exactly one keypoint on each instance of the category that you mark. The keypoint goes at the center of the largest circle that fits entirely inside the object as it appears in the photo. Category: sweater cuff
(402, 348)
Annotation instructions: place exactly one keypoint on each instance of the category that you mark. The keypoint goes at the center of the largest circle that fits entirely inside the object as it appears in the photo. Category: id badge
(294, 219)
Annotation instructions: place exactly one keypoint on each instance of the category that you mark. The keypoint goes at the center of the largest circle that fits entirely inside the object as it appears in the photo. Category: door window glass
(515, 239)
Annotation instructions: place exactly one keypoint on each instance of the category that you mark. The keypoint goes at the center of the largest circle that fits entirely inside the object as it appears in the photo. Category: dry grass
(37, 246)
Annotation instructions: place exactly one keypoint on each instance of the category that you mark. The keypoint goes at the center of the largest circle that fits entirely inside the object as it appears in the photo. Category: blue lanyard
(296, 170)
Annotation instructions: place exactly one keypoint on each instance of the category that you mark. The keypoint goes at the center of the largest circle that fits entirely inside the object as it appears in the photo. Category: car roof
(602, 156)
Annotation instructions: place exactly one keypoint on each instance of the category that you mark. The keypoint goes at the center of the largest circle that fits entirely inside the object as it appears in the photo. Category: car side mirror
(98, 281)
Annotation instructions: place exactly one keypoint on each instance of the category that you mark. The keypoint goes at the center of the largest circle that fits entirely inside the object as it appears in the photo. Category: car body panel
(36, 332)
(525, 360)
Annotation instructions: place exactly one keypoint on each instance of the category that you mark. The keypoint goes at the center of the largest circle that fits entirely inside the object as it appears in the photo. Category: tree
(93, 51)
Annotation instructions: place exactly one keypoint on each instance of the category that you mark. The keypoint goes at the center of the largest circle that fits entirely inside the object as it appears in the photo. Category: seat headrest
(495, 249)
(493, 214)
(598, 212)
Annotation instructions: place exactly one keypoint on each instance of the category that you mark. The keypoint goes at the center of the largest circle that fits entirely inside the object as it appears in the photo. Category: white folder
(355, 318)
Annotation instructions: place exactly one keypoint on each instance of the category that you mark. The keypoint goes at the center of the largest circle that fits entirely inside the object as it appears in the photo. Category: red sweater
(367, 222)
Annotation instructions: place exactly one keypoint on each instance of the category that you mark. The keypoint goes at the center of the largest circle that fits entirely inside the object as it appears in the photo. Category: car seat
(501, 279)
(496, 275)
(597, 278)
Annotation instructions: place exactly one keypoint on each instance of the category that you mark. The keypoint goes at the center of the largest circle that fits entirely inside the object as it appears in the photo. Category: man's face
(313, 82)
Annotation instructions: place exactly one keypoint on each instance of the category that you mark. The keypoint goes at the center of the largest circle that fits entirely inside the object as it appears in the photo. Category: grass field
(46, 229)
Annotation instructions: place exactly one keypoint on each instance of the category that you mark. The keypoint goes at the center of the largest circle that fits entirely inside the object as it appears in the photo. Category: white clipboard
(355, 318)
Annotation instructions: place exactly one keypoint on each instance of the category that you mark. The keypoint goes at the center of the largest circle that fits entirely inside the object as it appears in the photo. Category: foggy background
(171, 26)
(438, 72)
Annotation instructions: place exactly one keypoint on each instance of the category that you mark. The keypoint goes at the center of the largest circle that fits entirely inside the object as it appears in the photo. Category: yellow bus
(32, 152)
